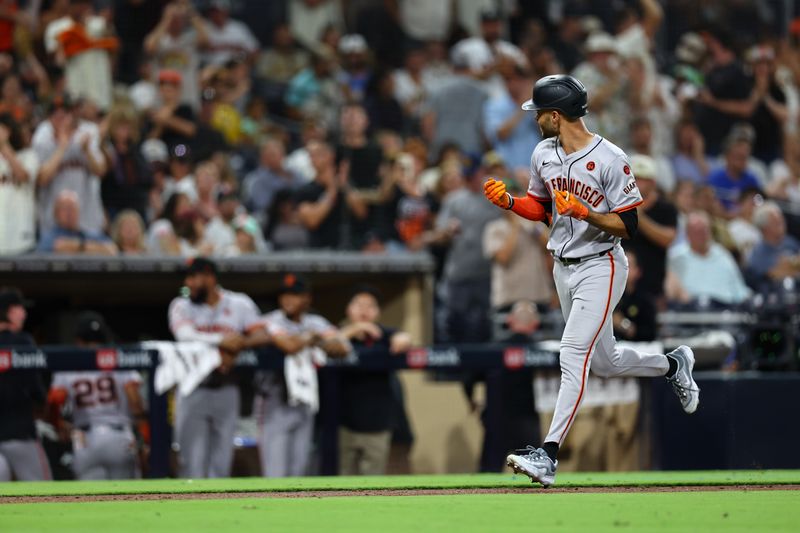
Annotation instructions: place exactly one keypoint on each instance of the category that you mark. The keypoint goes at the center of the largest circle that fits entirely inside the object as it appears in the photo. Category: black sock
(551, 449)
(673, 366)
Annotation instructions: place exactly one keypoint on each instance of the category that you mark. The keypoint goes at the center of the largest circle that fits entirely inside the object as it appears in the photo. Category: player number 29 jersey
(599, 174)
(97, 397)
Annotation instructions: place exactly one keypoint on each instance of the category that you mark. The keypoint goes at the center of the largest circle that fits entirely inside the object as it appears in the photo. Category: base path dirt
(380, 492)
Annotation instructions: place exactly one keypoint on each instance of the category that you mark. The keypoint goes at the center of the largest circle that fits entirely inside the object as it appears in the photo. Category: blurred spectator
(356, 72)
(726, 88)
(742, 229)
(287, 400)
(284, 229)
(260, 185)
(705, 199)
(408, 211)
(731, 179)
(181, 177)
(517, 250)
(227, 37)
(357, 149)
(426, 21)
(785, 182)
(467, 272)
(249, 239)
(385, 112)
(701, 272)
(367, 401)
(512, 131)
(313, 93)
(127, 183)
(143, 93)
(777, 255)
(484, 53)
(81, 43)
(683, 198)
(461, 124)
(641, 139)
(69, 151)
(220, 231)
(768, 113)
(67, 237)
(609, 109)
(207, 181)
(14, 99)
(414, 82)
(658, 219)
(156, 155)
(22, 398)
(566, 43)
(689, 161)
(283, 60)
(175, 45)
(173, 122)
(19, 171)
(127, 232)
(175, 230)
(298, 161)
(635, 316)
(307, 19)
(328, 206)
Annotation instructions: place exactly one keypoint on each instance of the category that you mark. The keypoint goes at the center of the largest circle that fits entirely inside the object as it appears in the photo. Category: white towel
(185, 364)
(301, 377)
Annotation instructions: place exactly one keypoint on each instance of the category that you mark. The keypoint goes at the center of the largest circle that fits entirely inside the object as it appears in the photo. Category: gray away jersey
(599, 174)
(97, 397)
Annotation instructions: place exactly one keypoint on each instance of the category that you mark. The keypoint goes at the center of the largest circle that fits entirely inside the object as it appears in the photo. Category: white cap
(352, 43)
(601, 42)
(155, 151)
(643, 166)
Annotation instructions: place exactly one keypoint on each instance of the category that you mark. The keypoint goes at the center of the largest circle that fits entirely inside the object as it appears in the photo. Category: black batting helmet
(560, 92)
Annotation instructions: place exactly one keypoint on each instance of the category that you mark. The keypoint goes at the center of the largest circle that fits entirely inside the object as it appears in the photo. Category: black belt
(115, 427)
(576, 260)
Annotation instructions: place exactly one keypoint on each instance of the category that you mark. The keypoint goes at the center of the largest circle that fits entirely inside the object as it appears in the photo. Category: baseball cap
(201, 265)
(92, 327)
(490, 15)
(352, 44)
(9, 297)
(155, 151)
(601, 42)
(643, 166)
(294, 284)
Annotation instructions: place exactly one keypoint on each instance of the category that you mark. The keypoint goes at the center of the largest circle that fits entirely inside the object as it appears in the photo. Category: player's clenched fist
(495, 191)
(568, 205)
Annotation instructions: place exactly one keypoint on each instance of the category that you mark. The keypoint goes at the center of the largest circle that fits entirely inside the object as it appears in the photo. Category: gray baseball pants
(109, 453)
(205, 424)
(25, 460)
(285, 435)
(589, 291)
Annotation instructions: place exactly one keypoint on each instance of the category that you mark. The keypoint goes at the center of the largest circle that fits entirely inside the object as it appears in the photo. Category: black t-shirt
(340, 230)
(20, 392)
(769, 130)
(639, 308)
(405, 217)
(653, 258)
(366, 400)
(365, 163)
(171, 137)
(727, 82)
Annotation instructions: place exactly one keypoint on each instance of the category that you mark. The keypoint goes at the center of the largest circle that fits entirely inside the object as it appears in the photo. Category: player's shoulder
(180, 302)
(545, 147)
(610, 151)
(236, 297)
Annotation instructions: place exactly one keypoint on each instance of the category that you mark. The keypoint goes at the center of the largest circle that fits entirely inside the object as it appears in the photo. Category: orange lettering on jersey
(599, 200)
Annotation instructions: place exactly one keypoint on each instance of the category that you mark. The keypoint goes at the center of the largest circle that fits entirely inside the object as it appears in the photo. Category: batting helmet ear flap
(560, 92)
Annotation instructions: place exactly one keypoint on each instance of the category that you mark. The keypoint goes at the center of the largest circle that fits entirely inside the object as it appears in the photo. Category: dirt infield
(381, 492)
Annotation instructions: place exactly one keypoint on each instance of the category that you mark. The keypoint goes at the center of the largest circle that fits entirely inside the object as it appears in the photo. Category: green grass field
(729, 510)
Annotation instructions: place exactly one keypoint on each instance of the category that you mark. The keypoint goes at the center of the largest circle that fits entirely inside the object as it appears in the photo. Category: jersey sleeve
(620, 187)
(251, 316)
(321, 326)
(536, 187)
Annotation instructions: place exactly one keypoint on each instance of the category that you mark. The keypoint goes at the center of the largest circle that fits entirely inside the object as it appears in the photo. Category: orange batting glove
(495, 191)
(569, 206)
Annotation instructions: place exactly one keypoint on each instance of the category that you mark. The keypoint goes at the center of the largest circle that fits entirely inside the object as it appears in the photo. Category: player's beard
(200, 296)
(548, 130)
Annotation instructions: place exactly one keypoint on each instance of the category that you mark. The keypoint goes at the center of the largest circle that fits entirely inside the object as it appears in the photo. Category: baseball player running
(205, 420)
(584, 182)
(103, 405)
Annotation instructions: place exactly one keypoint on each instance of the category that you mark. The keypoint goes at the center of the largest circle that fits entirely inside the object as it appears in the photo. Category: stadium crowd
(220, 128)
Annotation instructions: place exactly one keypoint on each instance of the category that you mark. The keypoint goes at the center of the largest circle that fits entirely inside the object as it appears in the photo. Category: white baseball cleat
(682, 382)
(535, 464)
